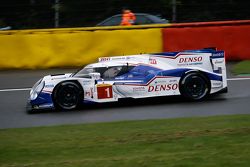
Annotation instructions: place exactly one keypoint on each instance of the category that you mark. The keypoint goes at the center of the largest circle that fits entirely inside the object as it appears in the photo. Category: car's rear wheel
(67, 95)
(194, 86)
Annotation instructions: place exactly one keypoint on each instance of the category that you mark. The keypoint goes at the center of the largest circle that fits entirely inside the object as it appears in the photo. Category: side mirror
(95, 75)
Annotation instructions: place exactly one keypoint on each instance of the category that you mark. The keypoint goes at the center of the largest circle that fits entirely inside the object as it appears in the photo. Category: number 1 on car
(104, 91)
(107, 91)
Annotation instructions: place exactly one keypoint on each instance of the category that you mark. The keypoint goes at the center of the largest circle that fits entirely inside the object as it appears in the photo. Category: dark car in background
(141, 19)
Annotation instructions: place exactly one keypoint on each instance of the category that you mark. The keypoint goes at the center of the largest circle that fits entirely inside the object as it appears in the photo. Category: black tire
(194, 86)
(67, 95)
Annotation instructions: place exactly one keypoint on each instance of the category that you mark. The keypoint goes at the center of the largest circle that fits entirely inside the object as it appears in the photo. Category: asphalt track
(14, 91)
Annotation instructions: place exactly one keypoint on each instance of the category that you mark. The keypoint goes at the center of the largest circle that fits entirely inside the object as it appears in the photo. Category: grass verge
(242, 68)
(210, 141)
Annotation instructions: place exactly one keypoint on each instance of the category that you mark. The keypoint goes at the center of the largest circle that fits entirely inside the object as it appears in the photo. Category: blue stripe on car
(43, 98)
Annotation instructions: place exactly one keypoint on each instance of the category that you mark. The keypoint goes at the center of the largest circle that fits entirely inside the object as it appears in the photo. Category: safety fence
(32, 49)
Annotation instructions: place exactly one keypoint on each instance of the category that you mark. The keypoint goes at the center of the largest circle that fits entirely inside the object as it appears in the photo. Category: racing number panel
(104, 91)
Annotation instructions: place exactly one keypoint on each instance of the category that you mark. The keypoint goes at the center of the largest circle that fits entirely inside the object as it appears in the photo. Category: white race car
(193, 74)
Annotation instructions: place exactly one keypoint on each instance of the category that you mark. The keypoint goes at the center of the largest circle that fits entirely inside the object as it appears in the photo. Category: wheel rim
(196, 87)
(67, 97)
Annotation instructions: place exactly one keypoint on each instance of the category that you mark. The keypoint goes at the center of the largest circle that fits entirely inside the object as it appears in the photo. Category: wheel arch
(202, 73)
(58, 84)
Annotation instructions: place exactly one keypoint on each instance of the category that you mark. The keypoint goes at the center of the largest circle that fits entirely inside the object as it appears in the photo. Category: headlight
(36, 89)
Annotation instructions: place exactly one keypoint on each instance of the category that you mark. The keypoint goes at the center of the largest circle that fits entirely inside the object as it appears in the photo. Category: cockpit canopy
(118, 72)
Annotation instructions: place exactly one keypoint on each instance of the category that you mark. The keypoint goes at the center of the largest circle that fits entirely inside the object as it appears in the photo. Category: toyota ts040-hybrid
(193, 74)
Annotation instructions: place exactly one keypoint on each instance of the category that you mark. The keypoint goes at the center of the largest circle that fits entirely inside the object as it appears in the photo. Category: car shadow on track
(155, 101)
(126, 103)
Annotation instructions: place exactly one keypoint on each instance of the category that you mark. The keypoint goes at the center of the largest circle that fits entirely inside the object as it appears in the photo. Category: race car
(193, 74)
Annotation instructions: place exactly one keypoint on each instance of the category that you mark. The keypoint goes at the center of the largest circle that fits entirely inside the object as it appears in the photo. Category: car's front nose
(39, 98)
(36, 89)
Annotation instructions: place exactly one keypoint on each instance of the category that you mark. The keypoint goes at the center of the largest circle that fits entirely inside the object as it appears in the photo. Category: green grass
(242, 68)
(189, 142)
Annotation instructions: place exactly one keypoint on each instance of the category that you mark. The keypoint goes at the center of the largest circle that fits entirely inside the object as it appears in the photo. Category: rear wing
(205, 58)
(208, 59)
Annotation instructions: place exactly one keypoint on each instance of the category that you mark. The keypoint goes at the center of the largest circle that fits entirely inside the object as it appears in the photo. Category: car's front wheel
(67, 95)
(194, 86)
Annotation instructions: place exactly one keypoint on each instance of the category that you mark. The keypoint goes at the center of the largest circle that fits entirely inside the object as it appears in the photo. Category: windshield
(105, 72)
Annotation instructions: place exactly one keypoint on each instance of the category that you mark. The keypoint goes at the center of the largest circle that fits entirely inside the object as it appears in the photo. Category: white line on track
(27, 89)
(11, 90)
(238, 79)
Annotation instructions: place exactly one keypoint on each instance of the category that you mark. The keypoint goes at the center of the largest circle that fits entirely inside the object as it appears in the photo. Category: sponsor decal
(173, 81)
(113, 58)
(190, 61)
(160, 82)
(119, 58)
(139, 89)
(152, 61)
(165, 87)
(104, 59)
(89, 93)
(218, 54)
(217, 84)
(219, 61)
(86, 82)
(49, 86)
